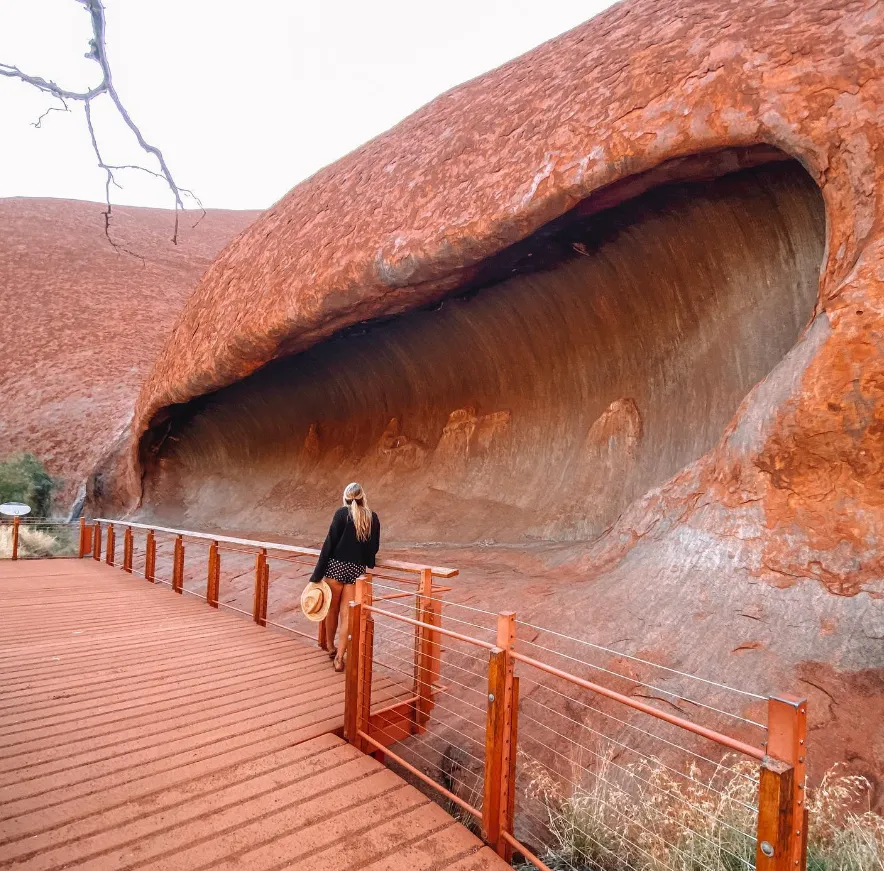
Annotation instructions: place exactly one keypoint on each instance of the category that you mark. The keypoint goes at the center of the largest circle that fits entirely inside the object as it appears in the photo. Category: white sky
(245, 97)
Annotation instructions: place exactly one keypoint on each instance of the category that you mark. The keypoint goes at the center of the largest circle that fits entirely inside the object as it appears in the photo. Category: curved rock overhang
(411, 216)
(570, 374)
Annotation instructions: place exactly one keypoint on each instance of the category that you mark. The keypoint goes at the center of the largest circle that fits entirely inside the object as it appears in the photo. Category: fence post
(364, 597)
(81, 550)
(775, 816)
(213, 580)
(150, 557)
(262, 579)
(178, 566)
(111, 545)
(782, 814)
(508, 800)
(423, 661)
(15, 527)
(498, 732)
(96, 542)
(353, 672)
(127, 550)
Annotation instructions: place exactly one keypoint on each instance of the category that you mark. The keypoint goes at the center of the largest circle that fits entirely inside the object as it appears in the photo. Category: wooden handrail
(438, 571)
(447, 632)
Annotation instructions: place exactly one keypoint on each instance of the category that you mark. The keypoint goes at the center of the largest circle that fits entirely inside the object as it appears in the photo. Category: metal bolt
(767, 849)
(349, 638)
(801, 759)
(490, 697)
(801, 741)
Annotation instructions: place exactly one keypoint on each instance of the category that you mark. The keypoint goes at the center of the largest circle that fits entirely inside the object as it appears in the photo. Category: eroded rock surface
(575, 383)
(419, 212)
(82, 322)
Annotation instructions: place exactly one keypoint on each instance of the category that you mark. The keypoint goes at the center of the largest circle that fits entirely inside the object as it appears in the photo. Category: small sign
(15, 509)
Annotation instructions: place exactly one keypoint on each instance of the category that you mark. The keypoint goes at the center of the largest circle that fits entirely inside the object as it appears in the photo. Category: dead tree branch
(98, 53)
(64, 108)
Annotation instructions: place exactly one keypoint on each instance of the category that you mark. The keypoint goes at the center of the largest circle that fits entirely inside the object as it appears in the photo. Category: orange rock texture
(82, 323)
(638, 90)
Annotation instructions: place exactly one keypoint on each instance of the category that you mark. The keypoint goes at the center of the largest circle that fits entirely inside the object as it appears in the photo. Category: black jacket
(342, 544)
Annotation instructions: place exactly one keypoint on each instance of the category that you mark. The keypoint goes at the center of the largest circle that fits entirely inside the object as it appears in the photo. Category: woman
(350, 548)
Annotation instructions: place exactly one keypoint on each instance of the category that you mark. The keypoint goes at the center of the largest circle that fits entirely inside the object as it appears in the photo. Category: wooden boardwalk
(144, 730)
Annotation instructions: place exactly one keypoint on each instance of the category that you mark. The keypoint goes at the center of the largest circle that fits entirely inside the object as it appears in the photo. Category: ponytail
(356, 500)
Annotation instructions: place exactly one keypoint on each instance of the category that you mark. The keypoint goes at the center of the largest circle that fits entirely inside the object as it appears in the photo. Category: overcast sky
(245, 97)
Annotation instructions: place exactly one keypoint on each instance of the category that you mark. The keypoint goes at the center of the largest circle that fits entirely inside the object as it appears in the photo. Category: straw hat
(316, 600)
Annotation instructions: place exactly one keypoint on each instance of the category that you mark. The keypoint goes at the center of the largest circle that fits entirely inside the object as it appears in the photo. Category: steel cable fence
(437, 722)
(562, 752)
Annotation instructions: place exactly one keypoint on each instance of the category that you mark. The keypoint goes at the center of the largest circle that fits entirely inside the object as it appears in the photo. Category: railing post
(353, 672)
(508, 800)
(364, 598)
(96, 542)
(214, 575)
(111, 545)
(423, 654)
(83, 546)
(262, 580)
(150, 557)
(15, 527)
(498, 734)
(127, 550)
(776, 820)
(782, 814)
(178, 566)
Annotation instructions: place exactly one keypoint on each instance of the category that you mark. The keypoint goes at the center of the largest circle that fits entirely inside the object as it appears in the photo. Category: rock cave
(576, 370)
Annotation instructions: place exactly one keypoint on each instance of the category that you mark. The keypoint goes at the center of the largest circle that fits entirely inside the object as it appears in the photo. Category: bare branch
(109, 180)
(13, 72)
(64, 108)
(98, 53)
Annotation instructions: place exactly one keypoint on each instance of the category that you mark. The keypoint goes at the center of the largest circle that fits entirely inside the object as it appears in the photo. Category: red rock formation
(396, 225)
(82, 323)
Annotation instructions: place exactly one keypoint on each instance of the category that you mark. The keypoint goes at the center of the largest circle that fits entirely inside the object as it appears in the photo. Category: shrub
(23, 478)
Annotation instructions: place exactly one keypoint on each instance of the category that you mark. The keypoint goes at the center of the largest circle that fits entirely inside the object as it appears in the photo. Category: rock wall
(83, 322)
(643, 94)
(542, 404)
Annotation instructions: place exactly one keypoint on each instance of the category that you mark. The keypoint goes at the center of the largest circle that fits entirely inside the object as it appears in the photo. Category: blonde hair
(356, 500)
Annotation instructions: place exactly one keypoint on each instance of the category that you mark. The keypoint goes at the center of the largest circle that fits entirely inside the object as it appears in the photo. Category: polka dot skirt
(345, 573)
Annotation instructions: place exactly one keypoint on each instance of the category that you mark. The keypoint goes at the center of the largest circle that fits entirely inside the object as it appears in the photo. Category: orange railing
(456, 670)
(433, 686)
(224, 564)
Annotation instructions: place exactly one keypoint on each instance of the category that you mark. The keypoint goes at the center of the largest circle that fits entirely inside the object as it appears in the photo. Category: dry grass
(845, 833)
(643, 817)
(32, 543)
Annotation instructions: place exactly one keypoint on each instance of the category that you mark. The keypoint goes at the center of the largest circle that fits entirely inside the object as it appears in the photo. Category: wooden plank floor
(141, 729)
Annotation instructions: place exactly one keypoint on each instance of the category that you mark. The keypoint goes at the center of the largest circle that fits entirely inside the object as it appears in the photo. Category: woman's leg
(348, 594)
(331, 619)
